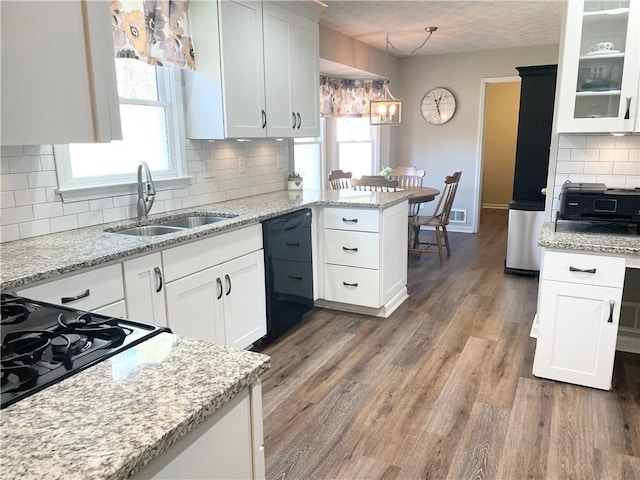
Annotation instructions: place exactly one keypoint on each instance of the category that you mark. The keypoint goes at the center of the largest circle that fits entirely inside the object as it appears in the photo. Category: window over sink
(152, 129)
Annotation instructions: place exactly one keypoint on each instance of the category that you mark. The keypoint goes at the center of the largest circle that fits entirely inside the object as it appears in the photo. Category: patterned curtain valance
(340, 97)
(156, 32)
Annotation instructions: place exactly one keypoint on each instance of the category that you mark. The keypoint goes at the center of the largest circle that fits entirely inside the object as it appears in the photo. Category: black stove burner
(43, 343)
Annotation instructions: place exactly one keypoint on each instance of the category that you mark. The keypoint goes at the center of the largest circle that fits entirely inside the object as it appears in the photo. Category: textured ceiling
(463, 26)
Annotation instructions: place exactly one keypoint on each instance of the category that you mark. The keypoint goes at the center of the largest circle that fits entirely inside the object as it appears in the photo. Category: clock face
(438, 106)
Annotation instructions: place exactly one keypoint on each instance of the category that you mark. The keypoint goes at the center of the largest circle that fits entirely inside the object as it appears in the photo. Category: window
(152, 130)
(356, 146)
(307, 155)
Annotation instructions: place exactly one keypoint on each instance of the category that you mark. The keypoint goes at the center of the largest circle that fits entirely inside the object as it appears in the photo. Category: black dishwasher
(288, 270)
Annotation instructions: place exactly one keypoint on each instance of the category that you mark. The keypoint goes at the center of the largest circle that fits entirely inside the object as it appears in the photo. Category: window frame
(332, 145)
(170, 91)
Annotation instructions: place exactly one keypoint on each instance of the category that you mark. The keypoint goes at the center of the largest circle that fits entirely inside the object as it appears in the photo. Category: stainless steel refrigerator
(526, 210)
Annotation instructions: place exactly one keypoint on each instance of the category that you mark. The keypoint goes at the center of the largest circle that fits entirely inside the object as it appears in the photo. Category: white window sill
(79, 194)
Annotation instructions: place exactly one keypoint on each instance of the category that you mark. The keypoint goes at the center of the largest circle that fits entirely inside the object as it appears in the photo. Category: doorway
(499, 134)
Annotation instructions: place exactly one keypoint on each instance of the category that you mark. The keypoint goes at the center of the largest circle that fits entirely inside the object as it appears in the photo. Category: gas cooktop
(43, 343)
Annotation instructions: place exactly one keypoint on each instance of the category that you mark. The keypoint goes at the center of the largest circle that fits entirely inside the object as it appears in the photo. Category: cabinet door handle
(159, 276)
(293, 244)
(295, 277)
(85, 294)
(349, 220)
(347, 249)
(219, 283)
(581, 270)
(612, 304)
(299, 120)
(228, 280)
(626, 115)
(264, 119)
(295, 120)
(346, 284)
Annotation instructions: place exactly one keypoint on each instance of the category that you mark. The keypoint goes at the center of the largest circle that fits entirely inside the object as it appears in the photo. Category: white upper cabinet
(58, 73)
(600, 67)
(256, 71)
(291, 71)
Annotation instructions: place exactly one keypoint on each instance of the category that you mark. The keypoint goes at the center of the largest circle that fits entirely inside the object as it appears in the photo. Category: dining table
(421, 194)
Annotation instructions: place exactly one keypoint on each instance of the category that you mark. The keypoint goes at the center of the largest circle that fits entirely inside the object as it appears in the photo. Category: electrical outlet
(242, 165)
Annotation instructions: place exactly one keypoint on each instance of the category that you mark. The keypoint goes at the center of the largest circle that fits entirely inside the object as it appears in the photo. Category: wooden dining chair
(439, 220)
(409, 177)
(374, 183)
(339, 180)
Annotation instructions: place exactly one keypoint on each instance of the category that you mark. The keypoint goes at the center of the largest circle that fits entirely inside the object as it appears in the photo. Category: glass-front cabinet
(600, 67)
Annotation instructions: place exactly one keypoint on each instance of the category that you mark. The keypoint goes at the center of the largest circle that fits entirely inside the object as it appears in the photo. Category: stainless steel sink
(193, 221)
(149, 230)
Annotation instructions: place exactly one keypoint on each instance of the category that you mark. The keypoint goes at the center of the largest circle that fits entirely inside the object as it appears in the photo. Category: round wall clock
(438, 106)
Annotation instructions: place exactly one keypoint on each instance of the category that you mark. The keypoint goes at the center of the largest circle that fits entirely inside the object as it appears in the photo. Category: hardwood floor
(443, 388)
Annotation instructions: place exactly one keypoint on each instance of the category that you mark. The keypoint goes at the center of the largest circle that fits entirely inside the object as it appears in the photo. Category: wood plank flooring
(443, 388)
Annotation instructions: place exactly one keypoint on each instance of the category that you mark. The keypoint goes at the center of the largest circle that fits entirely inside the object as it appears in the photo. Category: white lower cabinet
(215, 288)
(364, 259)
(144, 289)
(578, 315)
(226, 445)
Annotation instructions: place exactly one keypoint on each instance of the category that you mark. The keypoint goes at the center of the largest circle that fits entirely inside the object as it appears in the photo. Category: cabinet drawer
(292, 278)
(356, 286)
(582, 268)
(103, 284)
(358, 219)
(202, 254)
(355, 249)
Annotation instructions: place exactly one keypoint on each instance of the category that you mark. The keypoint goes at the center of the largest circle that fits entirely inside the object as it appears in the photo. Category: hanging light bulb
(387, 109)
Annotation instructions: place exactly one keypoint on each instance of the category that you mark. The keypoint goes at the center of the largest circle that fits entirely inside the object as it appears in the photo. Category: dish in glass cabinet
(603, 52)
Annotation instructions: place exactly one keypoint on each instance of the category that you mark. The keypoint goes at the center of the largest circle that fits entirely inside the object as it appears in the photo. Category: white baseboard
(383, 312)
(453, 228)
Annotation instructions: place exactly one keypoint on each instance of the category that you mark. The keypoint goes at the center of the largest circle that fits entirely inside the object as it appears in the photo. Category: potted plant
(294, 182)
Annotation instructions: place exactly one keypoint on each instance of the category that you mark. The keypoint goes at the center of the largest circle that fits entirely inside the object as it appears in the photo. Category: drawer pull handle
(293, 244)
(219, 282)
(347, 249)
(349, 220)
(159, 275)
(581, 270)
(611, 305)
(349, 284)
(295, 277)
(77, 297)
(228, 280)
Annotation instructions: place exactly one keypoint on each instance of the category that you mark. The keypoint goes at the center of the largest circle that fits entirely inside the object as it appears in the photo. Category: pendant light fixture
(387, 109)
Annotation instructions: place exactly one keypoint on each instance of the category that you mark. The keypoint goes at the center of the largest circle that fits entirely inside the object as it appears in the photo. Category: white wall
(30, 207)
(441, 150)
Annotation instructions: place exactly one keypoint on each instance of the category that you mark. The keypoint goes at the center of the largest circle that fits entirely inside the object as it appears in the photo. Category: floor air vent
(458, 216)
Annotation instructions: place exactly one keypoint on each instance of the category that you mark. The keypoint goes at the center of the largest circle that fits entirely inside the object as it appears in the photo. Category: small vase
(294, 184)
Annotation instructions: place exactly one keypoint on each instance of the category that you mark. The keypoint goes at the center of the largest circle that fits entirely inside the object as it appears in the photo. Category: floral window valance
(340, 97)
(156, 32)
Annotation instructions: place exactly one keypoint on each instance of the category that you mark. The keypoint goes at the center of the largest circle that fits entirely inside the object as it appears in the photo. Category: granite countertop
(46, 257)
(115, 417)
(585, 237)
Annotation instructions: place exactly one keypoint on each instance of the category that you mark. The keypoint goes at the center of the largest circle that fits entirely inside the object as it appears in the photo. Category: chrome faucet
(146, 191)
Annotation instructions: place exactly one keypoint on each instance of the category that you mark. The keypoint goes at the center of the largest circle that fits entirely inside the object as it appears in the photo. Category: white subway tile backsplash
(16, 215)
(585, 155)
(67, 222)
(31, 206)
(628, 141)
(633, 181)
(47, 210)
(33, 229)
(634, 155)
(570, 167)
(42, 179)
(601, 141)
(614, 155)
(572, 141)
(626, 168)
(9, 233)
(598, 167)
(30, 196)
(24, 164)
(612, 181)
(13, 181)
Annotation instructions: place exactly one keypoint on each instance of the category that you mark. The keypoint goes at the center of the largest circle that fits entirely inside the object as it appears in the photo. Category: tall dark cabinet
(526, 210)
